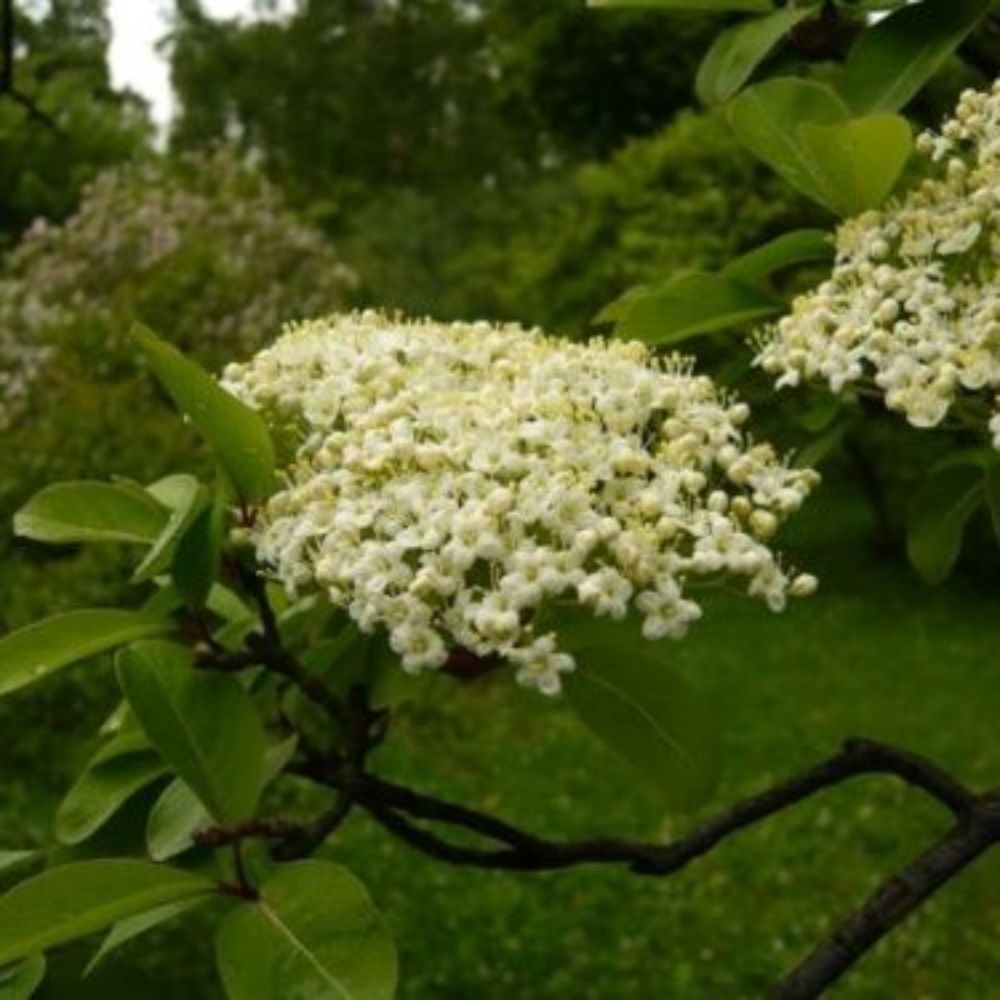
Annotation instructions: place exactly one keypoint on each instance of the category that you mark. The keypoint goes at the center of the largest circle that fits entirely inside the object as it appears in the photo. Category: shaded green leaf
(185, 498)
(17, 865)
(20, 981)
(76, 899)
(938, 514)
(766, 119)
(132, 927)
(787, 250)
(196, 558)
(86, 511)
(51, 644)
(991, 485)
(739, 50)
(238, 435)
(690, 305)
(117, 771)
(856, 164)
(624, 691)
(754, 6)
(204, 724)
(314, 932)
(177, 815)
(892, 61)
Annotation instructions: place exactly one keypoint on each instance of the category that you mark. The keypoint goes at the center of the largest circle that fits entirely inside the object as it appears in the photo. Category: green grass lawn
(875, 654)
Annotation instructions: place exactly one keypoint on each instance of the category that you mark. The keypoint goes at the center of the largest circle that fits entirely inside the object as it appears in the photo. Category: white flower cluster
(454, 483)
(912, 303)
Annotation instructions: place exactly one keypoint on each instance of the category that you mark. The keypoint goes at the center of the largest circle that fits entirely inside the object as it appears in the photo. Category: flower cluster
(912, 303)
(202, 248)
(456, 484)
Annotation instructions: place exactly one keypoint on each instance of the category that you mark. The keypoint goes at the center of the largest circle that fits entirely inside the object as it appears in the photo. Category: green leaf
(205, 725)
(177, 815)
(753, 6)
(938, 515)
(19, 982)
(196, 557)
(690, 305)
(789, 249)
(76, 899)
(51, 644)
(185, 498)
(892, 61)
(857, 163)
(18, 865)
(132, 927)
(739, 50)
(88, 511)
(991, 485)
(314, 932)
(237, 434)
(117, 771)
(624, 691)
(766, 119)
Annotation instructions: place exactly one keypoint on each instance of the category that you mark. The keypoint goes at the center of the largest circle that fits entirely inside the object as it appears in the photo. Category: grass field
(874, 654)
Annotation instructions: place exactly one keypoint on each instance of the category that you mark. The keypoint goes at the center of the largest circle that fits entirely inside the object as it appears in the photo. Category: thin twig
(270, 650)
(271, 829)
(307, 841)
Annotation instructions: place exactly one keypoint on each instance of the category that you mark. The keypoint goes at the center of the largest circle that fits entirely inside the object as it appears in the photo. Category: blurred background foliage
(510, 160)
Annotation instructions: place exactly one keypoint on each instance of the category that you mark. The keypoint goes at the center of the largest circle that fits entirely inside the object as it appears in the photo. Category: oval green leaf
(132, 927)
(196, 558)
(177, 815)
(940, 510)
(892, 61)
(117, 772)
(691, 305)
(204, 724)
(185, 498)
(20, 981)
(314, 932)
(753, 6)
(86, 511)
(798, 247)
(739, 50)
(856, 164)
(69, 902)
(627, 695)
(237, 434)
(51, 644)
(766, 119)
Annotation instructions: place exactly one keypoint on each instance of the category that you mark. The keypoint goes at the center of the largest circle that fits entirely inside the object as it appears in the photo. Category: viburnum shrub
(394, 498)
(403, 505)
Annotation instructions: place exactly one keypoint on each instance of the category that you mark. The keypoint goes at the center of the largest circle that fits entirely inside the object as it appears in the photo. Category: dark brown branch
(7, 28)
(977, 828)
(893, 901)
(523, 851)
(269, 650)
